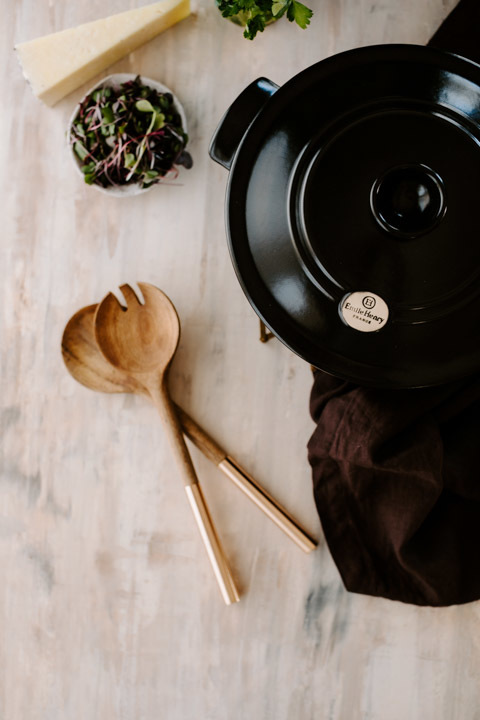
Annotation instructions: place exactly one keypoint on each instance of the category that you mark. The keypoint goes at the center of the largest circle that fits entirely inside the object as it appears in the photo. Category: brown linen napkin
(396, 479)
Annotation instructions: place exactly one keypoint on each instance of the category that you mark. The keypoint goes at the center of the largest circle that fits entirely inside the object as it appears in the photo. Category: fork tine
(116, 295)
(130, 295)
(137, 288)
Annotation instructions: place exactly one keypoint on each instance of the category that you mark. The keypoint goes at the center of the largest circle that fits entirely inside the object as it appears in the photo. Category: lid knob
(408, 201)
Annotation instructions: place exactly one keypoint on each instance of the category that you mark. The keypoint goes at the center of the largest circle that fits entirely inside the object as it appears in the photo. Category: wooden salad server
(87, 365)
(141, 340)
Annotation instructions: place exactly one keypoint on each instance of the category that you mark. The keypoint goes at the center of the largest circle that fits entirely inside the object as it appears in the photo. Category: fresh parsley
(255, 15)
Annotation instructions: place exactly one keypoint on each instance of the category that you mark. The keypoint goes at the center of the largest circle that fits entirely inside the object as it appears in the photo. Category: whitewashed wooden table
(108, 608)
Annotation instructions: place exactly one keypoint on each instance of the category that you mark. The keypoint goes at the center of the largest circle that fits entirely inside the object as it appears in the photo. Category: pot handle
(236, 120)
(459, 32)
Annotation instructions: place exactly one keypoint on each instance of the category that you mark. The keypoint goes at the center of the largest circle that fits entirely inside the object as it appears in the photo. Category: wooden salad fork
(141, 340)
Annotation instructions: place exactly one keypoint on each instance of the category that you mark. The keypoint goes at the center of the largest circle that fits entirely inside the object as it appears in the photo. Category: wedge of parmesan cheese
(56, 64)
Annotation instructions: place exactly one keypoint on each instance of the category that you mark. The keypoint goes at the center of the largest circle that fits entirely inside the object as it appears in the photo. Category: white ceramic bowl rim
(111, 81)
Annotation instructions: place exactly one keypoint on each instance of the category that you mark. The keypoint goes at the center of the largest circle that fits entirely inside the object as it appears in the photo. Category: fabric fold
(397, 486)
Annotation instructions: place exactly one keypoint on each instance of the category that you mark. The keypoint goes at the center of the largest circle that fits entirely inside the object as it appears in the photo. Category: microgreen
(128, 134)
(144, 106)
(256, 14)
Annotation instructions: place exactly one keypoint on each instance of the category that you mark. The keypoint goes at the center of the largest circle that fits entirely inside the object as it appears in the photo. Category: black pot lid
(353, 215)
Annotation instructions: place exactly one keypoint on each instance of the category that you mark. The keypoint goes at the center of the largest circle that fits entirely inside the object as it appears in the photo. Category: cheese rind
(56, 64)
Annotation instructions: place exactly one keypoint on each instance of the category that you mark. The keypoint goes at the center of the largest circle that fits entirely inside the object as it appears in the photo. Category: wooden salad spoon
(88, 366)
(141, 339)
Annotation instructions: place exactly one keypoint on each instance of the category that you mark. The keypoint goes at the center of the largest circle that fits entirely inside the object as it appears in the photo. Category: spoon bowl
(141, 338)
(85, 362)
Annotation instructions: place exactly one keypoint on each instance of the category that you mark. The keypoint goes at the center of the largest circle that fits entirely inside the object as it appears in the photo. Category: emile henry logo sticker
(364, 311)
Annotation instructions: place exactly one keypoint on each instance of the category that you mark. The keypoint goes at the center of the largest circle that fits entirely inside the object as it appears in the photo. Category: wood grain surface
(108, 608)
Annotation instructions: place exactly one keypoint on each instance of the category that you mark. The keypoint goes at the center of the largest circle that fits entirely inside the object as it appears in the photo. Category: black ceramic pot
(352, 212)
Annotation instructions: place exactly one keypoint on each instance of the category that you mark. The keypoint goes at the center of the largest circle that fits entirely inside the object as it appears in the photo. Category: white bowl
(110, 81)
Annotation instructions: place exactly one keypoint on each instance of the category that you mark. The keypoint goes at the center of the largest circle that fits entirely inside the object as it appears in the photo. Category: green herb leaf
(129, 160)
(80, 150)
(144, 106)
(254, 26)
(277, 7)
(107, 113)
(299, 13)
(159, 121)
